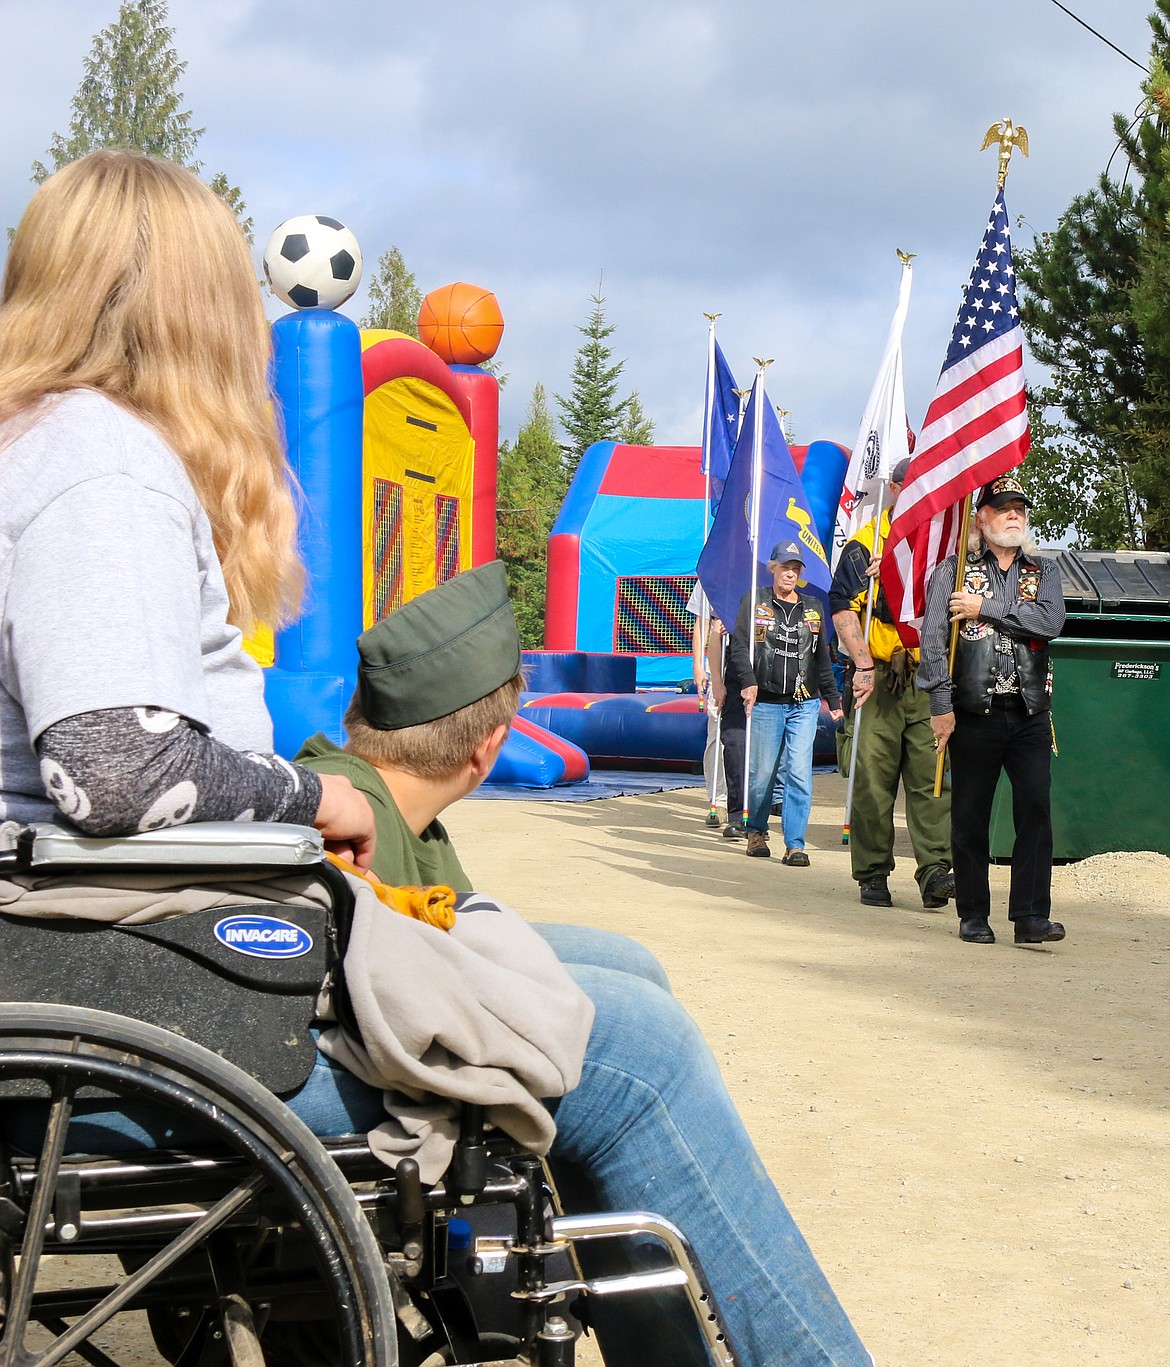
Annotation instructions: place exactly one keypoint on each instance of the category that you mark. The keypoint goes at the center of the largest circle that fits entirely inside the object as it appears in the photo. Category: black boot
(1035, 930)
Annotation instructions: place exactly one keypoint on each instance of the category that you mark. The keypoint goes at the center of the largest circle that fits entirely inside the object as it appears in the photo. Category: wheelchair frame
(267, 1244)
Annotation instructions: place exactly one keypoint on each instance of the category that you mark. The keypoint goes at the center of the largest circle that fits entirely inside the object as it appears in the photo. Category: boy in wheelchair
(424, 728)
(142, 484)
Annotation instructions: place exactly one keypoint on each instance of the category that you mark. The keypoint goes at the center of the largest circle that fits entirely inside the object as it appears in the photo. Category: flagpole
(705, 615)
(960, 575)
(1007, 137)
(742, 397)
(710, 411)
(757, 488)
(858, 708)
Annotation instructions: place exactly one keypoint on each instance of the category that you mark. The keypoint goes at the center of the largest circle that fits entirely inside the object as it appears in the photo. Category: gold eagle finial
(1009, 136)
(905, 257)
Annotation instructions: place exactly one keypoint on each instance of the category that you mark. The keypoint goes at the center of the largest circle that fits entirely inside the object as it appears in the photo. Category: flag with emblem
(882, 439)
(735, 557)
(975, 429)
(720, 422)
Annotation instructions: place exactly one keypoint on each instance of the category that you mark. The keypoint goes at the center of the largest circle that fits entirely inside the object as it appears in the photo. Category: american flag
(975, 429)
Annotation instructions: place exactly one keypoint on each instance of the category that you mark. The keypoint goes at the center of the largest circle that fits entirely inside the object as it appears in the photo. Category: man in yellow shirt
(896, 743)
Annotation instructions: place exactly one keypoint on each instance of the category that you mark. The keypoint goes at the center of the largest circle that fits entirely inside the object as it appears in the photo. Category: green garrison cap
(443, 650)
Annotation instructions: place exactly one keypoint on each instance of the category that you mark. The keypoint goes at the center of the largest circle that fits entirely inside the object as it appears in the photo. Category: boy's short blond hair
(433, 749)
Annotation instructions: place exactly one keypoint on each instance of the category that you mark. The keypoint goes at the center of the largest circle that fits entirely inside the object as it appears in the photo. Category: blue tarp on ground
(600, 783)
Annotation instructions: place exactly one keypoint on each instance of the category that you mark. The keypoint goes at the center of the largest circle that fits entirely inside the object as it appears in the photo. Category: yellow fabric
(371, 336)
(414, 437)
(261, 645)
(435, 906)
(883, 636)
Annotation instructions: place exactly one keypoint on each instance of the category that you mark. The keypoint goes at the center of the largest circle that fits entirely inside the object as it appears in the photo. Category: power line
(1102, 37)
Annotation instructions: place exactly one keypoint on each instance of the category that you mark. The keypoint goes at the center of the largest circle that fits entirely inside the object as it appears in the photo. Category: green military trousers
(896, 743)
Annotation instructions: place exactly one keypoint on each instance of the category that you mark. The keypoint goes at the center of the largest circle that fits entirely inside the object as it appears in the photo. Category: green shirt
(401, 858)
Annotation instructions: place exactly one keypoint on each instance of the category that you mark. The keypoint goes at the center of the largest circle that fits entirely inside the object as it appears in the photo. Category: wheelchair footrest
(684, 1272)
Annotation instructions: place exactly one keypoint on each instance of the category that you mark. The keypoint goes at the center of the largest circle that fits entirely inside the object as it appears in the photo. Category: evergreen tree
(533, 478)
(1077, 482)
(591, 412)
(636, 429)
(1148, 454)
(394, 298)
(233, 197)
(1095, 307)
(130, 97)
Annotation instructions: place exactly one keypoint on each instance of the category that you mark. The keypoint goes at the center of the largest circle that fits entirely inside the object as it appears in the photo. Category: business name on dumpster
(1137, 669)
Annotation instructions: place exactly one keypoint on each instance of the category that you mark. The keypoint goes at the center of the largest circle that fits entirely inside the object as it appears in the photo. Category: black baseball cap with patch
(440, 652)
(1005, 489)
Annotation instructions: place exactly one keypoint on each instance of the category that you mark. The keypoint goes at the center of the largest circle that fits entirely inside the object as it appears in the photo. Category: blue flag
(720, 425)
(725, 566)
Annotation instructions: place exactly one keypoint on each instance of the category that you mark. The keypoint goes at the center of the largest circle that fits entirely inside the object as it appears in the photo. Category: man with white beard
(994, 713)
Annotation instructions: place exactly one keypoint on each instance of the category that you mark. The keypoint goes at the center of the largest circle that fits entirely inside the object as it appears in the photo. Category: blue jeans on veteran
(783, 736)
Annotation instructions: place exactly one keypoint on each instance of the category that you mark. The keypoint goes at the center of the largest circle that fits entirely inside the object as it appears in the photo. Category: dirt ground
(973, 1139)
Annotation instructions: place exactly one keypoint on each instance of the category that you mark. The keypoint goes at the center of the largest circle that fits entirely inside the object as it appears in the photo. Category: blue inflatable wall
(317, 378)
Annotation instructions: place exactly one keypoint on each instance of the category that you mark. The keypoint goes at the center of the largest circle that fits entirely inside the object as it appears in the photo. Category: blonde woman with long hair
(146, 516)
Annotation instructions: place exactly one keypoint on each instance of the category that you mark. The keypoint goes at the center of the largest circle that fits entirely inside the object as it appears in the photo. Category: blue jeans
(783, 736)
(651, 1126)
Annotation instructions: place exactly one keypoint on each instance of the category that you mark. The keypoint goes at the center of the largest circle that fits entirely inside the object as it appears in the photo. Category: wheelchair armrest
(198, 845)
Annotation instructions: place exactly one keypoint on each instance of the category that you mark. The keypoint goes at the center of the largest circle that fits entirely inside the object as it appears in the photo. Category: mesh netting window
(651, 616)
(446, 537)
(388, 547)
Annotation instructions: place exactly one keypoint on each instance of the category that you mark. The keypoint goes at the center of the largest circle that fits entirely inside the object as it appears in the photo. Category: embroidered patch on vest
(1029, 585)
(976, 581)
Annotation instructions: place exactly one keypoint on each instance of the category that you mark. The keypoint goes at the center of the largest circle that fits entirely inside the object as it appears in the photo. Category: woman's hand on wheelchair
(346, 820)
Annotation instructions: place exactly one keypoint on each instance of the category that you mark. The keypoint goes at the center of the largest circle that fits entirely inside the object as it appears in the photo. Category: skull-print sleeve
(126, 769)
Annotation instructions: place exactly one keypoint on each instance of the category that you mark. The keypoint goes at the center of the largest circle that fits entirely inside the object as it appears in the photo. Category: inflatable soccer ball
(313, 262)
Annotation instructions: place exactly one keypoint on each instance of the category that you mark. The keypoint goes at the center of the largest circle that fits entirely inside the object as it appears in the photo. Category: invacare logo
(264, 937)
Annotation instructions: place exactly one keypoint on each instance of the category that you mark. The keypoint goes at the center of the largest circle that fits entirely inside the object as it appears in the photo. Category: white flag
(881, 439)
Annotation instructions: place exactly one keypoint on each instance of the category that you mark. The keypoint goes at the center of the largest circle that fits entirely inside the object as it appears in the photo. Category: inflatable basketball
(461, 323)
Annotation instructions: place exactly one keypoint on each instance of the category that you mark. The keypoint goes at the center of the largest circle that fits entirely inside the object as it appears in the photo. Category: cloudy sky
(758, 158)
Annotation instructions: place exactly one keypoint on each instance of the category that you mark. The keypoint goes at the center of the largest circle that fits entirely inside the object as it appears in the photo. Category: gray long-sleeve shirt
(1038, 619)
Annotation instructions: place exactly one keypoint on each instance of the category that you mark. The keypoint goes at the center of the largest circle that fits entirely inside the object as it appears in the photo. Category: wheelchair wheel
(227, 1239)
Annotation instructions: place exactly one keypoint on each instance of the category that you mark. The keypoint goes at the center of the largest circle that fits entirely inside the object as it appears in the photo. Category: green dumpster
(1110, 709)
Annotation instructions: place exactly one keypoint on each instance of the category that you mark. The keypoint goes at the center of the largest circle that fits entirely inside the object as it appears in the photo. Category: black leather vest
(775, 672)
(975, 673)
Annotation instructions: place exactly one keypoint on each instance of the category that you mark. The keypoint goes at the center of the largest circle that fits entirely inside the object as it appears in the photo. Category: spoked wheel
(227, 1245)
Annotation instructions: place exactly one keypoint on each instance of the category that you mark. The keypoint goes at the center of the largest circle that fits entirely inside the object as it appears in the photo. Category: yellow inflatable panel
(417, 486)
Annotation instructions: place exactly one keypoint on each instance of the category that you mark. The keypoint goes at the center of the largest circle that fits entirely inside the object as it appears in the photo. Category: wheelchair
(156, 1191)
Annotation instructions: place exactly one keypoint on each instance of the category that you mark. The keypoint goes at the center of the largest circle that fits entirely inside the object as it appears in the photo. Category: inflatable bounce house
(621, 570)
(393, 442)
